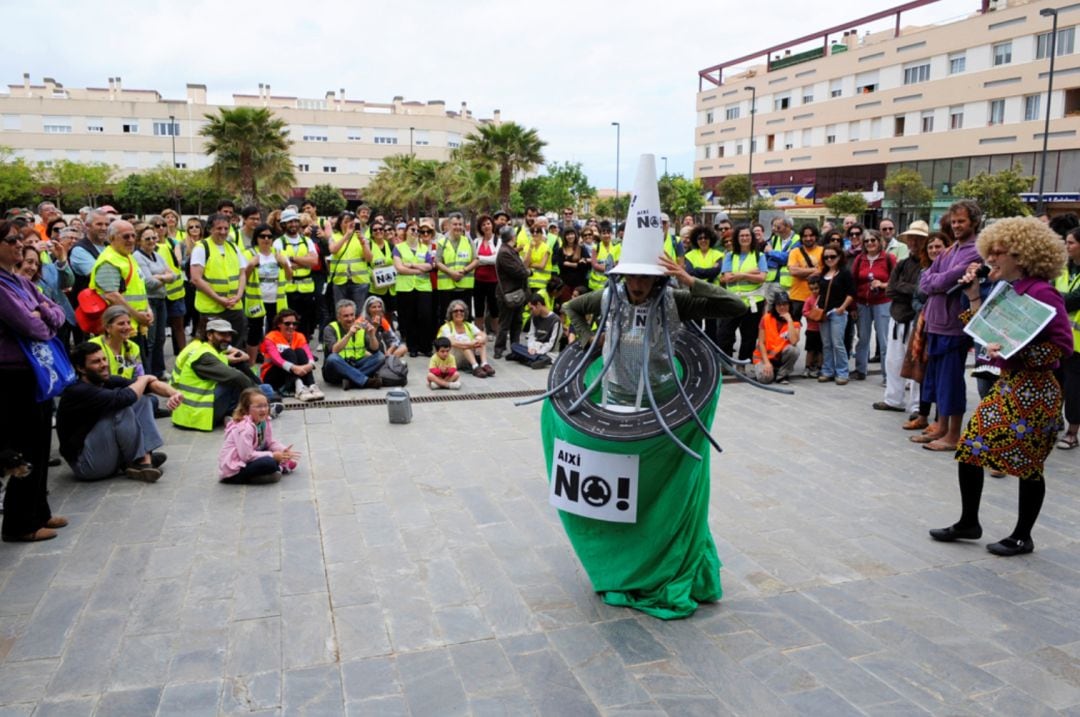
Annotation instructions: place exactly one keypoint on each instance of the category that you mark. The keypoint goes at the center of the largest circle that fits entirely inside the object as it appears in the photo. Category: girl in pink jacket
(250, 454)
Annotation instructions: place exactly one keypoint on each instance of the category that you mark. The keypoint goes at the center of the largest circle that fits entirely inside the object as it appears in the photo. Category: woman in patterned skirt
(1014, 427)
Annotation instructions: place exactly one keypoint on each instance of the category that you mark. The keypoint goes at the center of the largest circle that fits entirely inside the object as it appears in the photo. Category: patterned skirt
(1015, 426)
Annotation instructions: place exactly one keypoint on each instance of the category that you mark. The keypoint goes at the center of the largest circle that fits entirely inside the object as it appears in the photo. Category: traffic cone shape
(643, 238)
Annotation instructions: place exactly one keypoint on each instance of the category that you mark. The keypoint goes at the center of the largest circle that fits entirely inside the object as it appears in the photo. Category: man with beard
(211, 373)
(106, 423)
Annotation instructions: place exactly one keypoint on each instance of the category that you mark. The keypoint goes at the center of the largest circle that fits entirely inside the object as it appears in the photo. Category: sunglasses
(288, 323)
(10, 240)
(57, 230)
(158, 225)
(830, 256)
(265, 236)
(458, 311)
(377, 230)
(854, 234)
(427, 232)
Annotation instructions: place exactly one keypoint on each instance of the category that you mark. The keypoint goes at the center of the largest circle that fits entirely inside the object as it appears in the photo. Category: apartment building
(841, 108)
(336, 140)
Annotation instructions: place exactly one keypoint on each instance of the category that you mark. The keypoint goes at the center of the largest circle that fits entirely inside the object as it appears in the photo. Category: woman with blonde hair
(1014, 427)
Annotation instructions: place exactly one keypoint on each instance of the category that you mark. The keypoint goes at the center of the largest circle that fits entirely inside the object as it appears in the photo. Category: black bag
(393, 372)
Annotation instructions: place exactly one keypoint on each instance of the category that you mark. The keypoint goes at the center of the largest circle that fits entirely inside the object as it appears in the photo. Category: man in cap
(210, 373)
(106, 423)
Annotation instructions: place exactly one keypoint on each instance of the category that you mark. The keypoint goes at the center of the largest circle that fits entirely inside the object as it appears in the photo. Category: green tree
(508, 147)
(759, 205)
(18, 185)
(908, 193)
(250, 149)
(680, 196)
(999, 193)
(842, 203)
(76, 181)
(408, 184)
(328, 199)
(734, 190)
(609, 208)
(137, 194)
(472, 187)
(201, 192)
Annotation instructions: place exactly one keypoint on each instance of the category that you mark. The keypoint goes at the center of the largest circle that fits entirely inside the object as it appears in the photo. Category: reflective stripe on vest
(603, 254)
(785, 275)
(131, 357)
(134, 289)
(197, 409)
(174, 290)
(356, 349)
(456, 258)
(302, 280)
(222, 272)
(348, 265)
(411, 282)
(752, 293)
(539, 278)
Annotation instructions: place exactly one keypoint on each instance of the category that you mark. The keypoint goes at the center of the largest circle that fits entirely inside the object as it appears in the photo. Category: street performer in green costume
(626, 434)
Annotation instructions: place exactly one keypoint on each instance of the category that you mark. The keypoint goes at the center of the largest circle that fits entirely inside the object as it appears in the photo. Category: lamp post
(750, 166)
(410, 141)
(172, 134)
(618, 140)
(1047, 12)
(665, 165)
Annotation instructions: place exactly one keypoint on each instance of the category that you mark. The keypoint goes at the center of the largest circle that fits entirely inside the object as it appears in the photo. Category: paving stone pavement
(418, 570)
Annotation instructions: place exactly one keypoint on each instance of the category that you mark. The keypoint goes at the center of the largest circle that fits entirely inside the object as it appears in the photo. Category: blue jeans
(832, 340)
(878, 316)
(154, 358)
(335, 369)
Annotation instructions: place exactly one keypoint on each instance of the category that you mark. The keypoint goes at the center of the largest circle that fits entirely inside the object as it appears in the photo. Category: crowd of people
(250, 301)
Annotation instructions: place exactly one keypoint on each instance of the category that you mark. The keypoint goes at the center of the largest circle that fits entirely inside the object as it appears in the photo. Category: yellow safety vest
(614, 251)
(134, 289)
(356, 349)
(380, 258)
(785, 276)
(751, 292)
(124, 365)
(457, 258)
(222, 272)
(411, 282)
(197, 409)
(548, 300)
(254, 307)
(302, 280)
(347, 266)
(539, 278)
(174, 290)
(705, 261)
(1066, 285)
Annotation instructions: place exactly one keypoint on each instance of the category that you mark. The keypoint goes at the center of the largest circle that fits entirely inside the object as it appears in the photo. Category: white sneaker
(304, 394)
(315, 393)
(433, 386)
(454, 385)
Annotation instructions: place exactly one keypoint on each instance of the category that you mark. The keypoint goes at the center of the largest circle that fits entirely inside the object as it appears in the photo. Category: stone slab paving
(418, 570)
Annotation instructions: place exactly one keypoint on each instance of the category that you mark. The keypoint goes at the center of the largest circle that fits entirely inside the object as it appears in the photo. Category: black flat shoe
(953, 532)
(158, 459)
(1007, 547)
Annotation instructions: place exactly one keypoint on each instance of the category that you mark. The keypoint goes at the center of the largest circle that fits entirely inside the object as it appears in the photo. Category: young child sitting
(442, 369)
(250, 454)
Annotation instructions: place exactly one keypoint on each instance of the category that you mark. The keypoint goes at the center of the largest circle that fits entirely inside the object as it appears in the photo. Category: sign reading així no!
(593, 484)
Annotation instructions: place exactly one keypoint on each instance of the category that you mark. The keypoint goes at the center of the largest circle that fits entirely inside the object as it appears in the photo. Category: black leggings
(258, 472)
(414, 319)
(747, 326)
(1031, 491)
(280, 379)
(486, 306)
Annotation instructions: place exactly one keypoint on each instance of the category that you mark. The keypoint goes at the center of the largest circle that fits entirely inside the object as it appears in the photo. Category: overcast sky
(567, 68)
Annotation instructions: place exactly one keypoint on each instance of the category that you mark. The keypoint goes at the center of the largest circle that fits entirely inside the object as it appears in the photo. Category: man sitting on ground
(106, 423)
(351, 348)
(542, 332)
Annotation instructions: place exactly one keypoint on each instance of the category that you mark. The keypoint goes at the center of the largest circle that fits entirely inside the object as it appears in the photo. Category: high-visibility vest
(302, 280)
(596, 279)
(123, 365)
(254, 306)
(773, 336)
(174, 289)
(197, 409)
(705, 261)
(134, 289)
(777, 244)
(539, 278)
(348, 266)
(449, 326)
(356, 349)
(456, 258)
(380, 258)
(549, 301)
(222, 272)
(1066, 285)
(411, 282)
(752, 293)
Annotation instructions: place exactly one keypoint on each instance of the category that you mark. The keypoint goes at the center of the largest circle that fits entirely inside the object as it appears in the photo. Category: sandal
(916, 424)
(925, 438)
(1068, 441)
(934, 445)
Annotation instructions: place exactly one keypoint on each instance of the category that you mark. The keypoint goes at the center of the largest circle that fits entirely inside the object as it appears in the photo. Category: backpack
(393, 372)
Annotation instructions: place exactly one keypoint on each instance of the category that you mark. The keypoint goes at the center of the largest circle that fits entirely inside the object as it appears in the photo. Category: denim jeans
(878, 316)
(832, 340)
(336, 368)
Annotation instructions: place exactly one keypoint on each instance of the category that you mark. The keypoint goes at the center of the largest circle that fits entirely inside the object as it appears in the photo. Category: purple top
(18, 298)
(942, 311)
(1057, 332)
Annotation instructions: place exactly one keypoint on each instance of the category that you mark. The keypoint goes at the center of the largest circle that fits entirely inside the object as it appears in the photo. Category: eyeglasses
(193, 227)
(854, 234)
(158, 225)
(14, 239)
(872, 239)
(458, 311)
(538, 230)
(377, 230)
(888, 229)
(426, 232)
(265, 236)
(57, 230)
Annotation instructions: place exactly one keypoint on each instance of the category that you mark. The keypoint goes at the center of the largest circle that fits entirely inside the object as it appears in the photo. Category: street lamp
(750, 167)
(665, 165)
(618, 139)
(410, 141)
(1047, 12)
(172, 134)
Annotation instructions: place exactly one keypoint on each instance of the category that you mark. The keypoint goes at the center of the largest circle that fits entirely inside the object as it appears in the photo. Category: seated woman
(125, 358)
(389, 340)
(467, 341)
(778, 342)
(287, 359)
(250, 454)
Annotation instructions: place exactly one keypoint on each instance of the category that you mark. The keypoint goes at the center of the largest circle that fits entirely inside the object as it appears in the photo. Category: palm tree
(250, 147)
(508, 147)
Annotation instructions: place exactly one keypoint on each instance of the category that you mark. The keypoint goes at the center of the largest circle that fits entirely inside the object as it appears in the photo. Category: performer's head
(639, 287)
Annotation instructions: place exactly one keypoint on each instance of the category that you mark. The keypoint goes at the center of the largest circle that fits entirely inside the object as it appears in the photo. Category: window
(385, 140)
(1065, 43)
(753, 145)
(808, 96)
(95, 125)
(927, 122)
(708, 152)
(835, 88)
(781, 103)
(720, 150)
(853, 131)
(866, 82)
(917, 73)
(731, 113)
(807, 136)
(453, 140)
(709, 117)
(330, 168)
(166, 129)
(830, 134)
(956, 117)
(354, 136)
(1002, 53)
(738, 148)
(957, 63)
(130, 127)
(56, 125)
(12, 123)
(898, 126)
(315, 134)
(303, 167)
(997, 112)
(1031, 107)
(770, 142)
(181, 165)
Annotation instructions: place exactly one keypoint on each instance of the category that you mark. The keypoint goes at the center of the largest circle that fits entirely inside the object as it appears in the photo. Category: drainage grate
(441, 397)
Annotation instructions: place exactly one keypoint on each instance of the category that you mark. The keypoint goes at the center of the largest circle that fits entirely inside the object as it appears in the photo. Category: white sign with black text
(592, 484)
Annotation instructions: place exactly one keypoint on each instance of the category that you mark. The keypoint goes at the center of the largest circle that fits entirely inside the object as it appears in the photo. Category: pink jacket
(239, 447)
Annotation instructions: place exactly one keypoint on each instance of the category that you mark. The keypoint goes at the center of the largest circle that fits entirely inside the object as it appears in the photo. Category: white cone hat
(643, 239)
